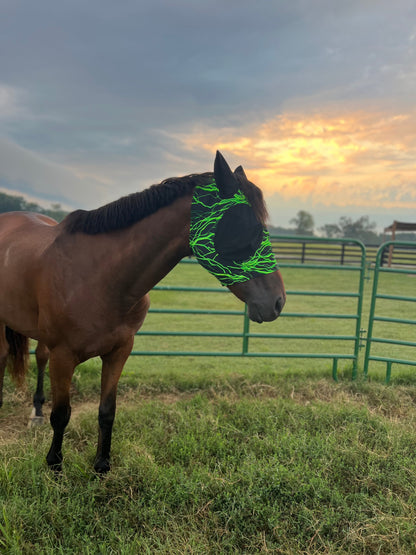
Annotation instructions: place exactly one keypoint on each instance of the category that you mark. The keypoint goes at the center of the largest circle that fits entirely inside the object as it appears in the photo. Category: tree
(362, 229)
(9, 203)
(331, 230)
(304, 223)
(55, 211)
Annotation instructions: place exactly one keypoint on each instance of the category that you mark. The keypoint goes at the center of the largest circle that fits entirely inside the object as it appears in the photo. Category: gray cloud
(28, 173)
(94, 91)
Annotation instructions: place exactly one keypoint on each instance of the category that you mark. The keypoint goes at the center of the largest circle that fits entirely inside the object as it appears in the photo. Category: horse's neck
(121, 266)
(154, 245)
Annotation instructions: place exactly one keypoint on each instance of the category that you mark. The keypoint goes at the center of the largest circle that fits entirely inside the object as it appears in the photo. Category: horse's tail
(18, 358)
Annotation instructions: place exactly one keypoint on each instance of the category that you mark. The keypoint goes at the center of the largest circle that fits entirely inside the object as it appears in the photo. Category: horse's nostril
(279, 305)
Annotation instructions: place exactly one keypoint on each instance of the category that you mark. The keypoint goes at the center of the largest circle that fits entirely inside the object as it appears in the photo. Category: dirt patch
(394, 404)
(16, 412)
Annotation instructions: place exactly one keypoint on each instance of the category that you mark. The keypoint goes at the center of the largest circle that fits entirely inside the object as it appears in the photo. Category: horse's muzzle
(264, 295)
(264, 312)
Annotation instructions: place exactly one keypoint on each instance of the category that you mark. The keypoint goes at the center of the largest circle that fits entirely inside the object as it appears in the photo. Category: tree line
(362, 229)
(14, 203)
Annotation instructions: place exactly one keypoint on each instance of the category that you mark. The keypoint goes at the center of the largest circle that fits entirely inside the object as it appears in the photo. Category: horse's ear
(224, 178)
(239, 172)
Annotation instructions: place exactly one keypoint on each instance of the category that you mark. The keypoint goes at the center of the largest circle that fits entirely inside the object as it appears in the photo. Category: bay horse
(80, 287)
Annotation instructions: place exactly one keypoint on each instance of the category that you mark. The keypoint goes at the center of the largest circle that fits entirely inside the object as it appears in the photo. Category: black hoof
(102, 466)
(54, 462)
(56, 468)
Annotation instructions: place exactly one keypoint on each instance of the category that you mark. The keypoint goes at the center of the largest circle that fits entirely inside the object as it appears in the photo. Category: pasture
(225, 455)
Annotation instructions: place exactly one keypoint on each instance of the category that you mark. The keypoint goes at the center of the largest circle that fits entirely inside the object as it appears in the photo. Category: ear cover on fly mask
(225, 235)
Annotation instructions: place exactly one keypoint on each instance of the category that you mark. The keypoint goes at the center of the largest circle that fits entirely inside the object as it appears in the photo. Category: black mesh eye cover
(238, 234)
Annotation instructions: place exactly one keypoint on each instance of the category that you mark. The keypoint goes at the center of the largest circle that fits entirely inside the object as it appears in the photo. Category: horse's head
(229, 238)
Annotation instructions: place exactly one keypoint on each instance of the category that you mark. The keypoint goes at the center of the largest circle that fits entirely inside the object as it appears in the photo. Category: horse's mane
(126, 211)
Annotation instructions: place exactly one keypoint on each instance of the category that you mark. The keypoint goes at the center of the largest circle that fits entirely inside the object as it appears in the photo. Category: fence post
(246, 330)
(335, 369)
(372, 309)
(359, 311)
(342, 254)
(303, 252)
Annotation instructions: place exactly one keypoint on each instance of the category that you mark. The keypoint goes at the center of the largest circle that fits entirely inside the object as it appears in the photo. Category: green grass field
(225, 455)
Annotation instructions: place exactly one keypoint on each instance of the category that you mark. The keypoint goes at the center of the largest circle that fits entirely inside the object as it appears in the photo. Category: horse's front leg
(61, 368)
(42, 357)
(113, 364)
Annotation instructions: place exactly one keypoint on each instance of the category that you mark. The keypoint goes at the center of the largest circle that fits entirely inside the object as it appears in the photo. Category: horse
(81, 287)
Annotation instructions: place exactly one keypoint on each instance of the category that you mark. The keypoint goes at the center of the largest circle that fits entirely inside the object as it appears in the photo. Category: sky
(315, 98)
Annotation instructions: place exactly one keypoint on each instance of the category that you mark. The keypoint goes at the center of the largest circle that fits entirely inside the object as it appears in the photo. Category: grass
(216, 455)
(299, 465)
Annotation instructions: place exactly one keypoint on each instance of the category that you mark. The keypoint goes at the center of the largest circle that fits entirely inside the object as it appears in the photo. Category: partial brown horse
(80, 288)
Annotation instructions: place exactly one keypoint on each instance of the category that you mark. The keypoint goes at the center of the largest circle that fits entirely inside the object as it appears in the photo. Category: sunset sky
(315, 98)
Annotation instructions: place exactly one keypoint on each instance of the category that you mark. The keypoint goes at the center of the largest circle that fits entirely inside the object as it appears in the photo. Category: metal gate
(321, 255)
(401, 262)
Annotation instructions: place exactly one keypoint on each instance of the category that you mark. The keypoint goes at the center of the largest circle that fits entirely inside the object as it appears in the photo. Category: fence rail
(306, 249)
(317, 250)
(355, 298)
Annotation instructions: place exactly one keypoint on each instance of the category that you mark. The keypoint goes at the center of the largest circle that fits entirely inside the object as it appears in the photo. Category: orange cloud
(356, 159)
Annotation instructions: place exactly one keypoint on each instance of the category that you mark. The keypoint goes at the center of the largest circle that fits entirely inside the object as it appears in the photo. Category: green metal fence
(404, 251)
(352, 264)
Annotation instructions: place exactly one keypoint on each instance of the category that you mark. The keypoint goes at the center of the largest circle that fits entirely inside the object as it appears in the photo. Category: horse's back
(24, 235)
(15, 220)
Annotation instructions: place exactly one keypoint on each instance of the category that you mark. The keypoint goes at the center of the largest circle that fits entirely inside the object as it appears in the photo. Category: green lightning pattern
(207, 210)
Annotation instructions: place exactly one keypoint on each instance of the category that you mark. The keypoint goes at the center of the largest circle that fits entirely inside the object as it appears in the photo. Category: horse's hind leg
(61, 368)
(2, 370)
(113, 364)
(4, 351)
(42, 357)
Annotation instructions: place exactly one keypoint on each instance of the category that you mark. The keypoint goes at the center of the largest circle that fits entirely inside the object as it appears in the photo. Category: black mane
(128, 210)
